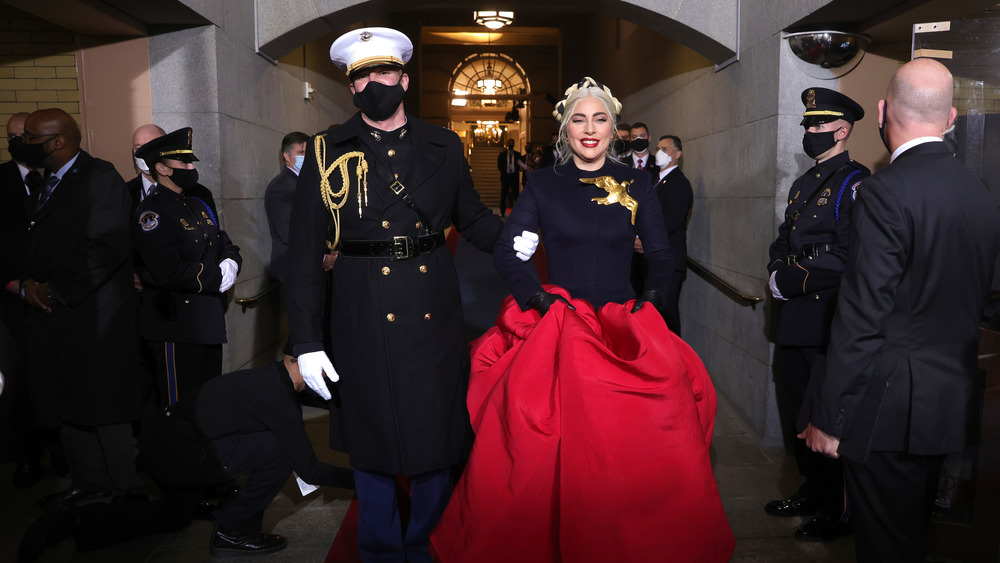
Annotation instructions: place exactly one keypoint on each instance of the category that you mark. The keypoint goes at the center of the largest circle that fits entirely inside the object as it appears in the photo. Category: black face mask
(31, 155)
(881, 125)
(815, 144)
(640, 145)
(622, 146)
(184, 178)
(379, 101)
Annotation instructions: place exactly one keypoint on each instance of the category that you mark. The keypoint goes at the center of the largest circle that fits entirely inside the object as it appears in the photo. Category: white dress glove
(312, 365)
(229, 270)
(525, 244)
(774, 287)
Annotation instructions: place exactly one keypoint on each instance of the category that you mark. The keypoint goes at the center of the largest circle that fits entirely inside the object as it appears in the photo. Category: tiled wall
(37, 68)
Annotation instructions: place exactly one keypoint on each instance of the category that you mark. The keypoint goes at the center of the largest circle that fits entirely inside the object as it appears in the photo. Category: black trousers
(824, 476)
(892, 495)
(102, 458)
(508, 189)
(181, 368)
(261, 455)
(672, 311)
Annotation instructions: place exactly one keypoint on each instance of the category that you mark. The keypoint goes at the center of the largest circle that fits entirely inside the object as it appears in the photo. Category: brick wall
(37, 68)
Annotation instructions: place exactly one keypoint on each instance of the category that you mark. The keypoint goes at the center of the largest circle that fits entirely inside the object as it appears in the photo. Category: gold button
(385, 224)
(817, 174)
(419, 224)
(390, 317)
(423, 269)
(187, 301)
(196, 240)
(817, 297)
(793, 227)
(385, 270)
(392, 152)
(427, 317)
(814, 216)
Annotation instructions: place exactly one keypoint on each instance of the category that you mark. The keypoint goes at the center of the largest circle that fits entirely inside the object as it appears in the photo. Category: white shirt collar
(24, 175)
(665, 171)
(65, 167)
(910, 144)
(294, 171)
(147, 186)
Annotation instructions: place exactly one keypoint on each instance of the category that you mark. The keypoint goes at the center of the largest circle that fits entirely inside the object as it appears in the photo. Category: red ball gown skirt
(592, 444)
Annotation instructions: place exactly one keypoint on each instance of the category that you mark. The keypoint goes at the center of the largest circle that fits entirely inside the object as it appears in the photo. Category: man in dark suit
(77, 281)
(900, 388)
(676, 197)
(278, 198)
(383, 186)
(550, 153)
(640, 157)
(22, 439)
(509, 164)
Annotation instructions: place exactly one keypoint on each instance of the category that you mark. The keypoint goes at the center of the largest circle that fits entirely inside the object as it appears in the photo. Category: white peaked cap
(370, 46)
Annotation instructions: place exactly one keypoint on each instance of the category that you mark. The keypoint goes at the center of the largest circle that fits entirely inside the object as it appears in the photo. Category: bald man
(143, 184)
(900, 388)
(77, 283)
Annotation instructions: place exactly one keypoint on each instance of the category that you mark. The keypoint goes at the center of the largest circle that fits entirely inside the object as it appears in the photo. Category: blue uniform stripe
(169, 357)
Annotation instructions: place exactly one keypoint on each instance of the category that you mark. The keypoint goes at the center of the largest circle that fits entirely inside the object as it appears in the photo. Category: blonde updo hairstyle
(586, 88)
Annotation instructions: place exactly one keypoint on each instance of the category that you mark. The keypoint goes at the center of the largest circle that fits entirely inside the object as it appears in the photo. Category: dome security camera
(827, 54)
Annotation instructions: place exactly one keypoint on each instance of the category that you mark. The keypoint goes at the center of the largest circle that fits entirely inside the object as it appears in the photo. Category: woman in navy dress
(593, 421)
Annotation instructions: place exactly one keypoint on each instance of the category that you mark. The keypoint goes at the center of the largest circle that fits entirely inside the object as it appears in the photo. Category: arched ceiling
(705, 26)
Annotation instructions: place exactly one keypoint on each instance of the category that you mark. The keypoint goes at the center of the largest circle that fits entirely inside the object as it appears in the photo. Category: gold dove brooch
(617, 193)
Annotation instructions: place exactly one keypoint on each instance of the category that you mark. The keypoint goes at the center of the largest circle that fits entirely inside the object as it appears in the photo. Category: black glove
(542, 300)
(653, 297)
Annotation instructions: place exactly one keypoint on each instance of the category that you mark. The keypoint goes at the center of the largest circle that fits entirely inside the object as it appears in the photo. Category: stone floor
(749, 474)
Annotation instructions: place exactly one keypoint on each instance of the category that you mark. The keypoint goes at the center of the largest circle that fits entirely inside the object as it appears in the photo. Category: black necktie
(50, 186)
(34, 181)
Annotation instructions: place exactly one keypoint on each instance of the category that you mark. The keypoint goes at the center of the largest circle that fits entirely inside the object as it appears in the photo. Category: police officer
(382, 187)
(806, 262)
(189, 263)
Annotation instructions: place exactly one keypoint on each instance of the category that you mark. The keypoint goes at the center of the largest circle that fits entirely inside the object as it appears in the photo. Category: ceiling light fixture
(493, 19)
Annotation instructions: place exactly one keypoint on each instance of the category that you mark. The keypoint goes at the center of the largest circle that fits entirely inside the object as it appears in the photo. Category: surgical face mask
(185, 178)
(815, 144)
(662, 159)
(299, 159)
(640, 145)
(379, 101)
(141, 165)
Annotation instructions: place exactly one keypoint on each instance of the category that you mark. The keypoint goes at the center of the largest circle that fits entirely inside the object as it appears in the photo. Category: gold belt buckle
(402, 247)
(397, 187)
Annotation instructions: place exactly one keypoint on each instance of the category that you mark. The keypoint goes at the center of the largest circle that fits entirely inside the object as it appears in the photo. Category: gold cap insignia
(810, 99)
(366, 35)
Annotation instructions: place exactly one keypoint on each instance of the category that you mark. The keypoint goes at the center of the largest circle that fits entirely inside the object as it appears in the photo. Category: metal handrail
(722, 285)
(250, 302)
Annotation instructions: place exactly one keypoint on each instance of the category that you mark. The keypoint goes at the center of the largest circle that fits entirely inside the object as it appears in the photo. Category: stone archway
(708, 27)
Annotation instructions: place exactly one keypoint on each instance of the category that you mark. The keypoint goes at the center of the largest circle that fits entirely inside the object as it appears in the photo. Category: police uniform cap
(176, 145)
(824, 105)
(370, 46)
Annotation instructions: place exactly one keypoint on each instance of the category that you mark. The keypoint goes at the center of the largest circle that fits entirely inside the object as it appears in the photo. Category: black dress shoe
(73, 495)
(795, 505)
(226, 543)
(822, 528)
(57, 521)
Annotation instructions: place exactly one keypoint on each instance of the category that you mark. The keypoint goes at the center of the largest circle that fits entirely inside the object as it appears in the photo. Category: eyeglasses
(29, 137)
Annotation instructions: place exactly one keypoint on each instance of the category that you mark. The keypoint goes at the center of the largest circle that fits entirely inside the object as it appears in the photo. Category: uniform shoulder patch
(149, 220)
(854, 191)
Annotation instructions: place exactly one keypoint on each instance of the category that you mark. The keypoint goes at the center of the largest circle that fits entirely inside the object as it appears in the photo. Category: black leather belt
(397, 248)
(809, 252)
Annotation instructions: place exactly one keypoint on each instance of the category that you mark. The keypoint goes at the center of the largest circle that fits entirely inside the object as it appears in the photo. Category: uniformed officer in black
(189, 263)
(806, 263)
(382, 187)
